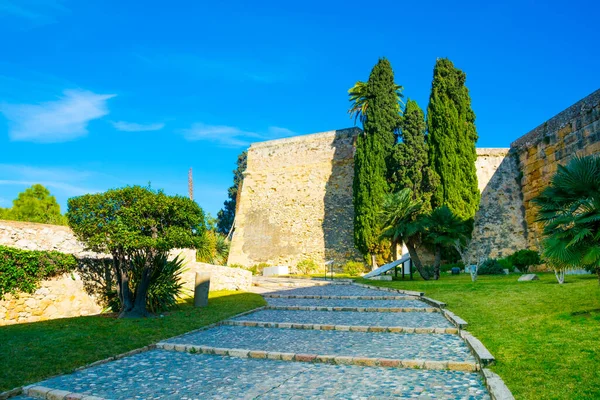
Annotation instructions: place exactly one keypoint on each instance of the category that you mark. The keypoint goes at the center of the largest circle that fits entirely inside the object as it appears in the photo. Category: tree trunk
(412, 250)
(437, 262)
(141, 294)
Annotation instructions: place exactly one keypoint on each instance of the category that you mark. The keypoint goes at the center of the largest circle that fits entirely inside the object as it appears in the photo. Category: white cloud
(56, 121)
(232, 136)
(134, 127)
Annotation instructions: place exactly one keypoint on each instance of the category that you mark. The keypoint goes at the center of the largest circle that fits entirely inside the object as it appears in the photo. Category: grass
(545, 336)
(35, 351)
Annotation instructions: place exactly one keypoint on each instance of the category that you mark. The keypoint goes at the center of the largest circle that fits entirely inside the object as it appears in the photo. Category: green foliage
(354, 268)
(569, 209)
(166, 286)
(523, 259)
(216, 249)
(136, 222)
(226, 215)
(359, 99)
(34, 204)
(401, 221)
(373, 154)
(451, 138)
(506, 263)
(490, 266)
(307, 267)
(410, 159)
(22, 270)
(257, 269)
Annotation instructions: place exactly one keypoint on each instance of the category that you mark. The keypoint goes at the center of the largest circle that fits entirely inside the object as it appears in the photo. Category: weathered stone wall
(65, 296)
(32, 236)
(221, 278)
(499, 228)
(575, 131)
(60, 297)
(296, 201)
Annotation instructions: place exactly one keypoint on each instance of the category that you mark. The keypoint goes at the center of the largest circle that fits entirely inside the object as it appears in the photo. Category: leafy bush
(166, 285)
(257, 269)
(448, 267)
(307, 267)
(491, 267)
(22, 270)
(354, 268)
(523, 259)
(507, 264)
(216, 249)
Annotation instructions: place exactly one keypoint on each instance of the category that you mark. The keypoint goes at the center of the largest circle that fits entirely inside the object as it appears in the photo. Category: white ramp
(387, 267)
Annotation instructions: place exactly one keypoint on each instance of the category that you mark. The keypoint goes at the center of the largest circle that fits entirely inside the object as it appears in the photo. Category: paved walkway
(295, 353)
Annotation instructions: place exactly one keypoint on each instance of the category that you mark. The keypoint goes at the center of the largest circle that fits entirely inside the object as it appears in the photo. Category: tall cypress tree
(411, 159)
(373, 154)
(226, 215)
(451, 138)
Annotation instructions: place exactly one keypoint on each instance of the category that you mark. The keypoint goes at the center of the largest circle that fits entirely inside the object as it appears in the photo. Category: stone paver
(279, 302)
(413, 319)
(332, 290)
(435, 347)
(171, 375)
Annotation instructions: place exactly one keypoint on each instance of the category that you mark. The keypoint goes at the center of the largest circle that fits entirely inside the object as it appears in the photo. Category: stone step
(42, 392)
(331, 318)
(356, 309)
(347, 303)
(293, 296)
(349, 328)
(169, 374)
(465, 366)
(405, 346)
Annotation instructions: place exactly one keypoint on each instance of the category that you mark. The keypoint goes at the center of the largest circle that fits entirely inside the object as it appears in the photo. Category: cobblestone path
(297, 354)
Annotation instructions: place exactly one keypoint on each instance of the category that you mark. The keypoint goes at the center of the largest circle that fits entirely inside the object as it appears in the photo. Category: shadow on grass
(35, 351)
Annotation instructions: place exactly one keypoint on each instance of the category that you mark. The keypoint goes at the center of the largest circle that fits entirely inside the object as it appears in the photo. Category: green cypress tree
(451, 138)
(411, 159)
(226, 215)
(373, 154)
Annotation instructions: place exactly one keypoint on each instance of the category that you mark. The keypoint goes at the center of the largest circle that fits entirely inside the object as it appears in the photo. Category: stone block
(528, 278)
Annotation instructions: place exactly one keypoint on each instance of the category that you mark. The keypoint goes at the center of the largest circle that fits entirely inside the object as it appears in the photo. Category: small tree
(523, 259)
(401, 221)
(442, 230)
(35, 204)
(472, 255)
(138, 227)
(569, 208)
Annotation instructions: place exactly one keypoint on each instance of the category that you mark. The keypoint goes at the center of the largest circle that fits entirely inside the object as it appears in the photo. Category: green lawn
(545, 337)
(32, 352)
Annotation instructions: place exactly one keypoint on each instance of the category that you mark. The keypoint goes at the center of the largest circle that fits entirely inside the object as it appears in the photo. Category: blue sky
(98, 94)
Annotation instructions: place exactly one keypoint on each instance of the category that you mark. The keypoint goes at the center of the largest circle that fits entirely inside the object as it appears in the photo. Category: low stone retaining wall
(65, 296)
(60, 297)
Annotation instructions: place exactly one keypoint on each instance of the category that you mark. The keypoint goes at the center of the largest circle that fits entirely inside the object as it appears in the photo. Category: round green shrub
(306, 267)
(354, 268)
(491, 267)
(523, 259)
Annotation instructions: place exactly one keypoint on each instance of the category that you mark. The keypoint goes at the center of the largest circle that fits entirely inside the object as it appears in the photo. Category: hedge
(22, 270)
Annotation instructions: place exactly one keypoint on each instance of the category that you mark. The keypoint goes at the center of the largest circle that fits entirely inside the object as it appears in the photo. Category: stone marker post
(201, 289)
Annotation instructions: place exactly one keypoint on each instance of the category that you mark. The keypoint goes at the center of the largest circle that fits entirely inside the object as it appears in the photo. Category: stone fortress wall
(573, 132)
(296, 201)
(296, 198)
(66, 295)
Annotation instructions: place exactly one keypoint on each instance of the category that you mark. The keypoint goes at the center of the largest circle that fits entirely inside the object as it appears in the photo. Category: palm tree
(359, 99)
(569, 208)
(443, 229)
(401, 220)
